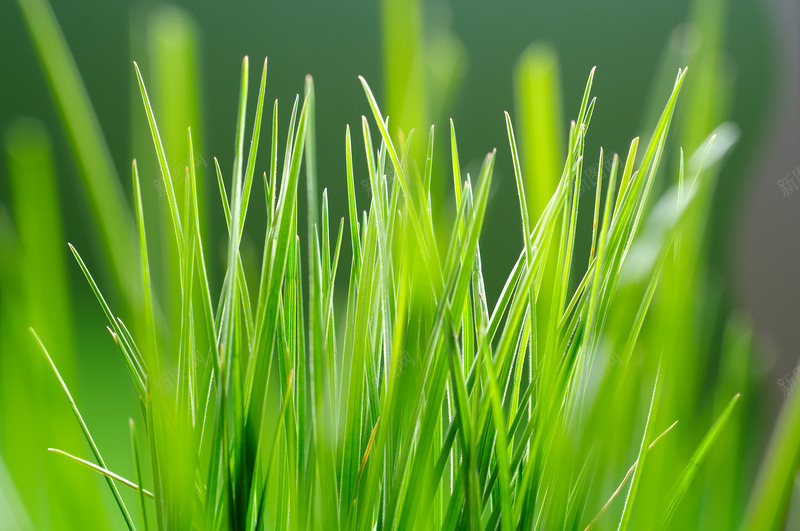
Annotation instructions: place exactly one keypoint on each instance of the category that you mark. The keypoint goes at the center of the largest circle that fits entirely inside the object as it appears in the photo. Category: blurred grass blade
(537, 100)
(694, 463)
(640, 461)
(625, 479)
(100, 180)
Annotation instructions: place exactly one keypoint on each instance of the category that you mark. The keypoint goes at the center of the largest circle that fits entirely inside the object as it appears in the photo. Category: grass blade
(88, 436)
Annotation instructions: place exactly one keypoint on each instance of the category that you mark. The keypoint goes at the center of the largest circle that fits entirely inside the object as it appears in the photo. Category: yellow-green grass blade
(403, 51)
(172, 38)
(151, 352)
(273, 164)
(312, 208)
(425, 244)
(537, 97)
(456, 167)
(456, 288)
(508, 518)
(251, 159)
(465, 433)
(173, 44)
(769, 500)
(354, 368)
(164, 164)
(205, 292)
(355, 241)
(104, 471)
(287, 395)
(266, 329)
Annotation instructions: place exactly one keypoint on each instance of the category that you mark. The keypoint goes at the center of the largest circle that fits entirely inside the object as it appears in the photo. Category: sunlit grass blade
(103, 471)
(251, 159)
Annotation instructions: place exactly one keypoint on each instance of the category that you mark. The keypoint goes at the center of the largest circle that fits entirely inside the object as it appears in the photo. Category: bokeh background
(450, 59)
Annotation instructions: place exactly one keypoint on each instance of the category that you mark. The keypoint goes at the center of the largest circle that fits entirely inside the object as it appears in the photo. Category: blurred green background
(449, 59)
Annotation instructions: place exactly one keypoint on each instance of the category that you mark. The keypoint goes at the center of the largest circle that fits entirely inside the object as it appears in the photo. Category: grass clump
(410, 401)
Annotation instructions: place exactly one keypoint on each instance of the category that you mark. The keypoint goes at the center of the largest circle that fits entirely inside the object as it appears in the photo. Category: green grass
(592, 392)
(410, 400)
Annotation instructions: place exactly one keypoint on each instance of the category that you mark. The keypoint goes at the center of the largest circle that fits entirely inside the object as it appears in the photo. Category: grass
(592, 392)
(410, 401)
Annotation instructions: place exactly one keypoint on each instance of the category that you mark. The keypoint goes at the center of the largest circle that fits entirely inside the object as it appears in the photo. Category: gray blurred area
(767, 249)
